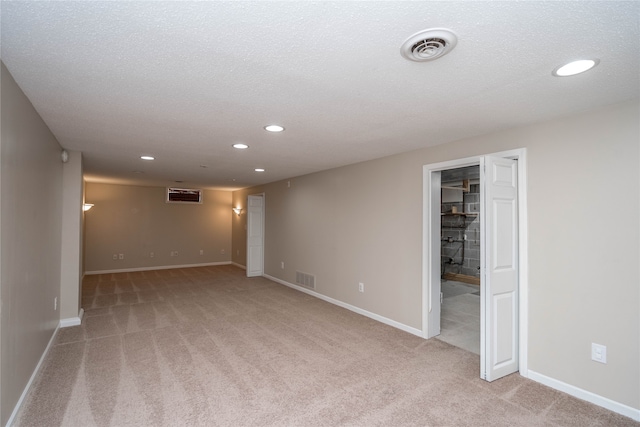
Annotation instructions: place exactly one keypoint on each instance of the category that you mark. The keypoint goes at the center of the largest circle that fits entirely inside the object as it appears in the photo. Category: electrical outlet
(151, 254)
(599, 352)
(222, 251)
(55, 304)
(120, 256)
(282, 265)
(238, 252)
(201, 251)
(360, 287)
(115, 256)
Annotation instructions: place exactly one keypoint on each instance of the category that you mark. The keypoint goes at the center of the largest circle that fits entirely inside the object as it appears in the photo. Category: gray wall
(136, 221)
(31, 218)
(363, 223)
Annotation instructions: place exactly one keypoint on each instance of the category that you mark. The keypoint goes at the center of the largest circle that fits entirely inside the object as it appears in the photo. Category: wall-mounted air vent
(183, 195)
(306, 280)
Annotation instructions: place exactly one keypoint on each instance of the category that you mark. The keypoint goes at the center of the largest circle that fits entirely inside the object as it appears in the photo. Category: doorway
(503, 343)
(460, 258)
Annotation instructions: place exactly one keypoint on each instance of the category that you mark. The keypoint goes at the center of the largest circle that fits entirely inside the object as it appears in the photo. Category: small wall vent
(306, 280)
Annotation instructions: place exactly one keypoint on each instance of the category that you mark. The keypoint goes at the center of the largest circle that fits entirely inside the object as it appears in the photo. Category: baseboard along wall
(590, 397)
(244, 267)
(349, 307)
(157, 267)
(32, 378)
(72, 321)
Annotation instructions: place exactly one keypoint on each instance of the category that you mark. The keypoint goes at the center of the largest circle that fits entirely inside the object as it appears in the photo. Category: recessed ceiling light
(147, 157)
(575, 67)
(274, 128)
(259, 170)
(240, 146)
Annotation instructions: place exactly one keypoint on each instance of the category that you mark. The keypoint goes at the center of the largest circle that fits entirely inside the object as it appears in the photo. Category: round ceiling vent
(428, 45)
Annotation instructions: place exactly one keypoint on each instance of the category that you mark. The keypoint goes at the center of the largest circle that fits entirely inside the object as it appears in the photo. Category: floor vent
(306, 280)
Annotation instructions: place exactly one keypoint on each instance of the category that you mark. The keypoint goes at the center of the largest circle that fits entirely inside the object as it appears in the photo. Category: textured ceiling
(183, 81)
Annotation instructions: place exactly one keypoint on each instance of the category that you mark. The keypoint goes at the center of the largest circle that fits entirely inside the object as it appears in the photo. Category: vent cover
(428, 45)
(184, 195)
(306, 280)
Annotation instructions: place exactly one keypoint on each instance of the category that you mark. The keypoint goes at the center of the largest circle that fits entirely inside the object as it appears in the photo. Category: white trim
(156, 267)
(33, 377)
(590, 397)
(426, 234)
(72, 321)
(244, 267)
(521, 155)
(431, 257)
(350, 307)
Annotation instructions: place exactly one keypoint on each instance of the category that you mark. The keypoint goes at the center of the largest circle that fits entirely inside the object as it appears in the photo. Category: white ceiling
(183, 81)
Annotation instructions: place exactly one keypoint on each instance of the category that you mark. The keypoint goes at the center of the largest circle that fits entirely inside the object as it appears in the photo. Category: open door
(499, 254)
(255, 235)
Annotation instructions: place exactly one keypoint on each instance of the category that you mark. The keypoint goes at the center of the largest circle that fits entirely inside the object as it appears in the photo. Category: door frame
(431, 246)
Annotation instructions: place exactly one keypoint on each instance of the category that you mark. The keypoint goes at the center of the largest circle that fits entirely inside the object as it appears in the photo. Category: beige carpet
(209, 347)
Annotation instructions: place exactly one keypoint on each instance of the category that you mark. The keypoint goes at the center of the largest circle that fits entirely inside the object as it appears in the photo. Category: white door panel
(255, 236)
(499, 246)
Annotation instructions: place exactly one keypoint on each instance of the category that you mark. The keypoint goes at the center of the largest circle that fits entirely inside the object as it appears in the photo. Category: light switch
(599, 353)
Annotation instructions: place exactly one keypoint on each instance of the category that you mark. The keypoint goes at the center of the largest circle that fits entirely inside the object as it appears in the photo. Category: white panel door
(499, 302)
(255, 236)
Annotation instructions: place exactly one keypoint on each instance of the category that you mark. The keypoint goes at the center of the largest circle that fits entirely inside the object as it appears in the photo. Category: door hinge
(441, 296)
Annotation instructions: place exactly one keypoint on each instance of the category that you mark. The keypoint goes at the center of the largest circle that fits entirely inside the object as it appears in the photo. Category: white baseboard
(350, 307)
(72, 321)
(156, 267)
(244, 267)
(574, 391)
(33, 377)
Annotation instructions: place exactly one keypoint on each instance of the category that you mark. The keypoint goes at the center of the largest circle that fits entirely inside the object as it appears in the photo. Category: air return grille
(306, 280)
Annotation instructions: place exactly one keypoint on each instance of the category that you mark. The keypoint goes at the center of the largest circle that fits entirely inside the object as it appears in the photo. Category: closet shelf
(459, 213)
(465, 186)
